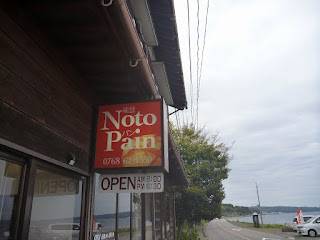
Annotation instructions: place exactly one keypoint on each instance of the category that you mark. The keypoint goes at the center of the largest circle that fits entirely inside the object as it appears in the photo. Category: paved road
(222, 230)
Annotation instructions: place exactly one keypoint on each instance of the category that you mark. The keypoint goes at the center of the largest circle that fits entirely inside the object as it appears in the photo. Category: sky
(260, 89)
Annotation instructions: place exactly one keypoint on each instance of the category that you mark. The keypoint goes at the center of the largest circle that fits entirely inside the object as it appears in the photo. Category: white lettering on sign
(131, 183)
(128, 121)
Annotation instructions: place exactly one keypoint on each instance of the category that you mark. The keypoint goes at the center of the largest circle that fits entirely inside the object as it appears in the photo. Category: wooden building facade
(60, 60)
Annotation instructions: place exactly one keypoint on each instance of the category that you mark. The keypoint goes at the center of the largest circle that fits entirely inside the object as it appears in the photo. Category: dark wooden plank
(111, 77)
(62, 10)
(24, 131)
(27, 100)
(111, 98)
(103, 99)
(58, 5)
(91, 51)
(14, 58)
(116, 89)
(100, 67)
(78, 33)
(28, 153)
(42, 52)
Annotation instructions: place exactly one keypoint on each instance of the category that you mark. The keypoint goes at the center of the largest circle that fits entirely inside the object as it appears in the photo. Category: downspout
(138, 59)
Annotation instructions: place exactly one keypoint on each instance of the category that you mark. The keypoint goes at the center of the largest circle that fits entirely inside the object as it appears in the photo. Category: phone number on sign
(127, 160)
(111, 161)
(137, 160)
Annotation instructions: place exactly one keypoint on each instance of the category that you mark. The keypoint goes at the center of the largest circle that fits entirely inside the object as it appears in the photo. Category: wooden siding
(44, 106)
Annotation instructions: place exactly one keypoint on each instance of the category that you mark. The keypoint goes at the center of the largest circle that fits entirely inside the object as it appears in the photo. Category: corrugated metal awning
(168, 50)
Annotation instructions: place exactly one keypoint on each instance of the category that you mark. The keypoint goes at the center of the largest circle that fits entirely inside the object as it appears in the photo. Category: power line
(180, 124)
(204, 40)
(201, 63)
(194, 99)
(183, 118)
(197, 83)
(190, 63)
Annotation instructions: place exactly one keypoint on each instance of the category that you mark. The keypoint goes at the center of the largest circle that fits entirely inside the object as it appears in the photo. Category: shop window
(158, 216)
(149, 216)
(172, 216)
(10, 174)
(136, 220)
(124, 216)
(164, 205)
(104, 219)
(168, 214)
(56, 207)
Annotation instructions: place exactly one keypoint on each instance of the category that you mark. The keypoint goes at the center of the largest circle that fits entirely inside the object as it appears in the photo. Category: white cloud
(260, 88)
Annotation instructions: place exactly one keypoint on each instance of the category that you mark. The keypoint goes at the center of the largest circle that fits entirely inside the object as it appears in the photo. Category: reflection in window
(56, 207)
(9, 186)
(163, 214)
(121, 214)
(104, 219)
(168, 214)
(149, 215)
(158, 215)
(136, 220)
(124, 216)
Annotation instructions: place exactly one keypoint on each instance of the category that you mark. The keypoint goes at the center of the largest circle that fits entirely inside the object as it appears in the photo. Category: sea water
(276, 218)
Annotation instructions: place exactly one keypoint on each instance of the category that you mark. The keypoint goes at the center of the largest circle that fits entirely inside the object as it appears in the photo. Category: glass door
(56, 206)
(10, 175)
(39, 200)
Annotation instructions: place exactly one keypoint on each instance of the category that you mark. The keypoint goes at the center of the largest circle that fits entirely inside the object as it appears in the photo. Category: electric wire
(184, 117)
(197, 83)
(177, 120)
(204, 40)
(201, 62)
(190, 63)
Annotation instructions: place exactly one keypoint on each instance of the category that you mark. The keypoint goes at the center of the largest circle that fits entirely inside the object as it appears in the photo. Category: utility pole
(259, 204)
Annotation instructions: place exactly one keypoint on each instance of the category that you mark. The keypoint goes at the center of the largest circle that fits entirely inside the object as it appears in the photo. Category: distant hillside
(228, 210)
(112, 215)
(285, 209)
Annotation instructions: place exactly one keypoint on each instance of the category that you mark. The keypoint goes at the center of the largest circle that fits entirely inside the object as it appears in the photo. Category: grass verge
(265, 228)
(191, 232)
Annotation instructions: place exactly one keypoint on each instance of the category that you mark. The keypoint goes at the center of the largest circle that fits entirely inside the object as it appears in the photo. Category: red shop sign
(131, 135)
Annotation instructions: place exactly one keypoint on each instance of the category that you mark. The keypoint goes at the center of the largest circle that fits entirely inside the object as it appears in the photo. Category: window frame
(38, 164)
(143, 212)
(29, 166)
(12, 158)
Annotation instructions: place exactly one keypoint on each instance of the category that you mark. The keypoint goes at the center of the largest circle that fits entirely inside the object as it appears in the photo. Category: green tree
(206, 160)
(231, 211)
